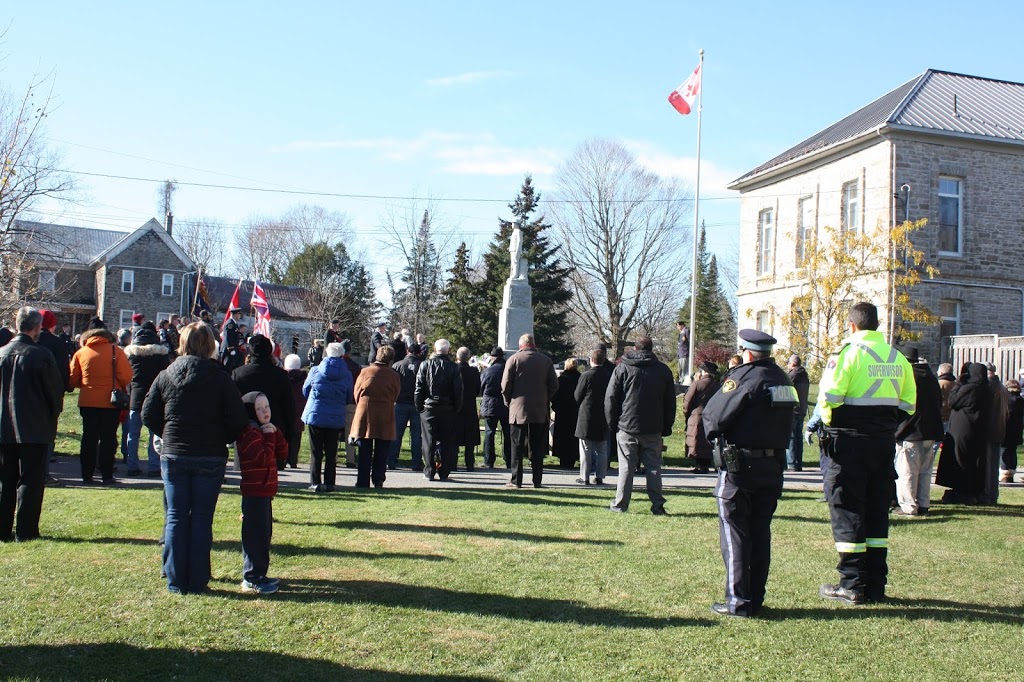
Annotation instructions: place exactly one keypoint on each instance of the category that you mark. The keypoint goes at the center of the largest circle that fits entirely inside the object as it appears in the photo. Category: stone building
(79, 272)
(944, 147)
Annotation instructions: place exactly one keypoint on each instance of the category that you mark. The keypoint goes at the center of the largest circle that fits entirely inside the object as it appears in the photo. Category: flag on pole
(259, 303)
(202, 298)
(683, 96)
(234, 305)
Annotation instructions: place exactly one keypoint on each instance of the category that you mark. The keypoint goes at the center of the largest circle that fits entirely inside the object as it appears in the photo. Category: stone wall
(149, 258)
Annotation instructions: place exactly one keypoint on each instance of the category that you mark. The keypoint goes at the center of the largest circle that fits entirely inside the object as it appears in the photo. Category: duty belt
(755, 454)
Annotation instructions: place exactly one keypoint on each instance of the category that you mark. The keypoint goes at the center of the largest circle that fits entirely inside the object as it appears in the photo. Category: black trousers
(257, 529)
(438, 434)
(22, 478)
(492, 424)
(99, 441)
(746, 503)
(529, 441)
(323, 447)
(469, 456)
(373, 462)
(860, 484)
(294, 445)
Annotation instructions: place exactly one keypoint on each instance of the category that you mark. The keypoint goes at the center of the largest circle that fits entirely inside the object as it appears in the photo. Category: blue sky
(455, 100)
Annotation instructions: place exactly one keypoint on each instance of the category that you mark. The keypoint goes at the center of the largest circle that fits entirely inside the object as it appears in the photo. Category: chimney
(170, 223)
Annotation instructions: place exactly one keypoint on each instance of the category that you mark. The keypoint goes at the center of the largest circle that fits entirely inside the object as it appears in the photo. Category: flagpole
(696, 223)
(195, 296)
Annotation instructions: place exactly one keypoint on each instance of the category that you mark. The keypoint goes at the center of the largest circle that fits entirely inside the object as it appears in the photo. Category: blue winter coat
(328, 389)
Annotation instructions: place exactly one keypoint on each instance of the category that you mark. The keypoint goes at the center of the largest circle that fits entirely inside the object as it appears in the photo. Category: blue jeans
(133, 427)
(795, 453)
(191, 488)
(405, 413)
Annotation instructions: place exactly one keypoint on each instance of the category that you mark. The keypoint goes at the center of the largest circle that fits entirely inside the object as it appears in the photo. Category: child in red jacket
(260, 448)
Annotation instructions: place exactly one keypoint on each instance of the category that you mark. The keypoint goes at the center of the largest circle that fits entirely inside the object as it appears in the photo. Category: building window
(126, 319)
(949, 325)
(127, 281)
(168, 285)
(762, 321)
(163, 316)
(950, 215)
(47, 280)
(765, 223)
(804, 228)
(850, 209)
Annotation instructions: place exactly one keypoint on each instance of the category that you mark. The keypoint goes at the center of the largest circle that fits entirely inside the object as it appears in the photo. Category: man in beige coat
(528, 384)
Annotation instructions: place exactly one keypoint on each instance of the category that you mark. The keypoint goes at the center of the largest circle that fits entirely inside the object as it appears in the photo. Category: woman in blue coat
(328, 389)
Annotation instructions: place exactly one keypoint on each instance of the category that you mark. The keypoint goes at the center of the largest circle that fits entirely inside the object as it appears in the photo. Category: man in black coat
(262, 374)
(467, 429)
(405, 410)
(591, 423)
(640, 404)
(751, 418)
(802, 384)
(378, 339)
(148, 357)
(33, 396)
(53, 343)
(915, 439)
(494, 410)
(438, 398)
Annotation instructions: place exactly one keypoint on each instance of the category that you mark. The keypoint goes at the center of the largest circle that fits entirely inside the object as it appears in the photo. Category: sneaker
(841, 594)
(258, 587)
(617, 510)
(583, 481)
(1006, 476)
(898, 511)
(316, 488)
(512, 484)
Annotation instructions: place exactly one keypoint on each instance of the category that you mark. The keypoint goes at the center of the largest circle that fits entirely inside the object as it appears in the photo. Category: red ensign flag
(683, 96)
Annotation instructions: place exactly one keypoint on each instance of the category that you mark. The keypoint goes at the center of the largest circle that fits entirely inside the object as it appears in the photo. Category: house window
(950, 215)
(126, 319)
(762, 321)
(765, 224)
(47, 280)
(163, 316)
(168, 285)
(949, 325)
(851, 208)
(804, 228)
(127, 281)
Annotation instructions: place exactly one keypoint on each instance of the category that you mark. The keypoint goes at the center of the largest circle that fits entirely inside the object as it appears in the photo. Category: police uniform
(752, 414)
(233, 356)
(863, 389)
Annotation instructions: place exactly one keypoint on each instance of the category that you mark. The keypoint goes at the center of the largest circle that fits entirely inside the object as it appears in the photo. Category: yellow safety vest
(867, 372)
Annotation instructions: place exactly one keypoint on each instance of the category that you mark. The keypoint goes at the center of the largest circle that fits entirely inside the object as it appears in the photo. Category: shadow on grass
(912, 609)
(405, 596)
(126, 662)
(459, 531)
(276, 549)
(962, 511)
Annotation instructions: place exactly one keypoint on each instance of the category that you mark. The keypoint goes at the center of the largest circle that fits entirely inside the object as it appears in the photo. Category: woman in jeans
(196, 409)
(97, 368)
(328, 389)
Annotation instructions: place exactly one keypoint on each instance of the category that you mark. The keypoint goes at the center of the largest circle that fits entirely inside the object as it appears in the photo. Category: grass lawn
(494, 584)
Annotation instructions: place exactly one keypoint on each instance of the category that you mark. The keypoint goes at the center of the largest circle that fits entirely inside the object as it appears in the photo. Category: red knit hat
(137, 318)
(49, 319)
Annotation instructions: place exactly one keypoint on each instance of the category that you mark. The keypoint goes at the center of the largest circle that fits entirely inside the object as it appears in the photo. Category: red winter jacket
(259, 453)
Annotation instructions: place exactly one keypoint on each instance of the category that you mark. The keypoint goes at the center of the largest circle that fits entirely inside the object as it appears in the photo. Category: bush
(715, 352)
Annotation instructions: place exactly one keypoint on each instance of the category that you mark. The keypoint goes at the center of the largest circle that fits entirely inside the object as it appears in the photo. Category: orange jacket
(91, 368)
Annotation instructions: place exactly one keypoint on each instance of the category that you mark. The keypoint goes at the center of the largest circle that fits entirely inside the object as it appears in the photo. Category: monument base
(516, 315)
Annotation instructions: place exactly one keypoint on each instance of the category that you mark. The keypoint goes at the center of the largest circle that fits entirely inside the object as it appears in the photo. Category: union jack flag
(262, 308)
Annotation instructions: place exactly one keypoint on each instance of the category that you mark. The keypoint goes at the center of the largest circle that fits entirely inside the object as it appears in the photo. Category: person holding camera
(750, 422)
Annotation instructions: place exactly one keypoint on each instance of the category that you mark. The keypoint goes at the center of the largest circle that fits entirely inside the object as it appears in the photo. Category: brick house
(79, 272)
(945, 147)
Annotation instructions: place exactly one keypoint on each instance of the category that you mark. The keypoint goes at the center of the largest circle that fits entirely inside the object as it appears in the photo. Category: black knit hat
(261, 346)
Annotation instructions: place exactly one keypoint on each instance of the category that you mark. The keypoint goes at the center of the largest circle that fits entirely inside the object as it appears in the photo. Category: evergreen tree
(713, 309)
(456, 319)
(548, 277)
(413, 304)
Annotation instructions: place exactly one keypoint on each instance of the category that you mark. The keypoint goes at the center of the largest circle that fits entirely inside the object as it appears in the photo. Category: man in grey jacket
(640, 405)
(33, 395)
(527, 385)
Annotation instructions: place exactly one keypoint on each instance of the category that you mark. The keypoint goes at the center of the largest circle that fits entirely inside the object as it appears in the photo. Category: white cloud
(466, 78)
(713, 179)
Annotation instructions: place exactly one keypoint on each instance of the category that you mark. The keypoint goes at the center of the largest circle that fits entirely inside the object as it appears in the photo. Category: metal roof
(938, 101)
(284, 301)
(64, 243)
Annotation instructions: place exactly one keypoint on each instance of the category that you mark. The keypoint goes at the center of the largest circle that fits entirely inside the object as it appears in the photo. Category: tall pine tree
(548, 276)
(713, 310)
(457, 317)
(413, 305)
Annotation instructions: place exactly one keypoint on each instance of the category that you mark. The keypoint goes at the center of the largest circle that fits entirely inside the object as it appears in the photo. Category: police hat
(752, 339)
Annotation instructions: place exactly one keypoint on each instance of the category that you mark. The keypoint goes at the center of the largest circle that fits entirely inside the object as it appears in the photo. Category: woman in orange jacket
(97, 368)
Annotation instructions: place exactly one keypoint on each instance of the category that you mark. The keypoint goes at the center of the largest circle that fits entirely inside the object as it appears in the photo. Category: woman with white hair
(296, 377)
(327, 389)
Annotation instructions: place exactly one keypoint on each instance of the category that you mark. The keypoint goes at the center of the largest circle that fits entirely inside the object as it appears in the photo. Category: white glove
(808, 435)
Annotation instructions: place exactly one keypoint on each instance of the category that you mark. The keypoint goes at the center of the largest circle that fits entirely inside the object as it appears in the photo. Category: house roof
(939, 102)
(64, 243)
(284, 301)
(152, 225)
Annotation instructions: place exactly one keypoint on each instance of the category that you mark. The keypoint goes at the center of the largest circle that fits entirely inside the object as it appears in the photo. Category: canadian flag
(683, 96)
(234, 305)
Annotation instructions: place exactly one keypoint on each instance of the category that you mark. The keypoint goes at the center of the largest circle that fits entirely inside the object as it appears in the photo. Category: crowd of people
(201, 394)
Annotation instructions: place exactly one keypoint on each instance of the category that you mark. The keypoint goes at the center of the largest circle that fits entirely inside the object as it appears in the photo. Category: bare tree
(165, 197)
(624, 233)
(265, 246)
(203, 240)
(28, 174)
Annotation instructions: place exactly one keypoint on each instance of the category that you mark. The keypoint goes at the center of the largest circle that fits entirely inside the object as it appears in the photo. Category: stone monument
(516, 315)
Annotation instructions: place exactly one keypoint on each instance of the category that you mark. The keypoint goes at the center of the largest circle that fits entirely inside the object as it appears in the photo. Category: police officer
(863, 391)
(749, 420)
(233, 355)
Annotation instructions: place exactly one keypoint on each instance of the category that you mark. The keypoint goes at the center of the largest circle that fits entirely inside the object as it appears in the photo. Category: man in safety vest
(866, 390)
